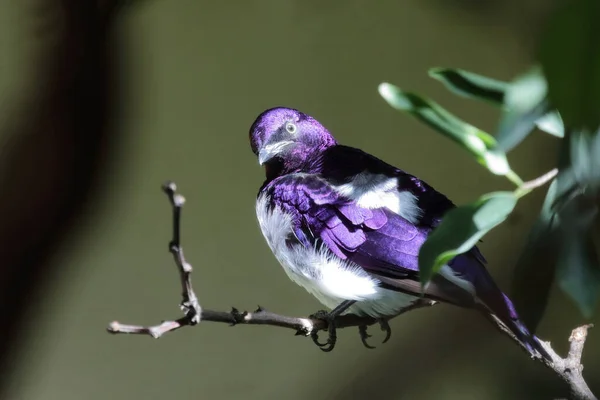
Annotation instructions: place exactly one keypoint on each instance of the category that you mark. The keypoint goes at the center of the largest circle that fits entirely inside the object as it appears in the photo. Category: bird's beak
(271, 150)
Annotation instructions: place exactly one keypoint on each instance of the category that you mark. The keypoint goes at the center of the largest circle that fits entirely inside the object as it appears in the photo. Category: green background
(195, 75)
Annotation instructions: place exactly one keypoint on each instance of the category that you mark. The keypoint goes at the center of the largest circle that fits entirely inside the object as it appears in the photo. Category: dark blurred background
(158, 90)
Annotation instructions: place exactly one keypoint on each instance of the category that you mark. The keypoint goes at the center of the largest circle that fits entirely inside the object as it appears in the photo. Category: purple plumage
(348, 226)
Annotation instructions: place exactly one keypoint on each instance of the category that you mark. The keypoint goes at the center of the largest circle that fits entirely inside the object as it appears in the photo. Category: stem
(514, 178)
(527, 187)
(540, 181)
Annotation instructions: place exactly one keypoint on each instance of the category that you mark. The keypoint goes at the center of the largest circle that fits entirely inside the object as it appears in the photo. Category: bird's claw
(314, 335)
(385, 327)
(364, 336)
(331, 337)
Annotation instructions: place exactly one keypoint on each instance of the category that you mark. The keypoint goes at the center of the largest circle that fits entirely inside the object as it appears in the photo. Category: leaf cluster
(559, 95)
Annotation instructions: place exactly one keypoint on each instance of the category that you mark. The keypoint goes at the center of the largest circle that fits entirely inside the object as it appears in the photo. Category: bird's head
(287, 140)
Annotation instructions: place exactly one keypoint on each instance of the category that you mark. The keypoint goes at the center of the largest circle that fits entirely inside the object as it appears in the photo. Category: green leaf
(578, 266)
(526, 91)
(567, 187)
(481, 144)
(525, 102)
(552, 123)
(515, 126)
(460, 230)
(479, 87)
(585, 159)
(578, 269)
(570, 57)
(535, 269)
(471, 85)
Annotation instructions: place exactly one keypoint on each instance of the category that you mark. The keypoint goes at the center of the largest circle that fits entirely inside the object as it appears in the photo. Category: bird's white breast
(330, 279)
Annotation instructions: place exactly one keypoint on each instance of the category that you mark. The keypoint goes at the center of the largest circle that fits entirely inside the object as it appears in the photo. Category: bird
(347, 226)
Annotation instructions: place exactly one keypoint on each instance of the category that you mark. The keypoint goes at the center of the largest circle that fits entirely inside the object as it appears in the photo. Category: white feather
(330, 279)
(377, 191)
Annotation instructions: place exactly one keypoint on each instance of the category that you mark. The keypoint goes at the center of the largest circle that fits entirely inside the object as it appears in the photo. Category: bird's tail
(501, 311)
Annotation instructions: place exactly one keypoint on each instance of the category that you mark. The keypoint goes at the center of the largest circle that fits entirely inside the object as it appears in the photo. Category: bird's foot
(332, 336)
(330, 318)
(364, 335)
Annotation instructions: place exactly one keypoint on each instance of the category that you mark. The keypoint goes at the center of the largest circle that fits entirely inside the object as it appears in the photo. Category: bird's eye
(291, 128)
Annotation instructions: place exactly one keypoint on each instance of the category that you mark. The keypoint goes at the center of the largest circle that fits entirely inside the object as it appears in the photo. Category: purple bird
(348, 227)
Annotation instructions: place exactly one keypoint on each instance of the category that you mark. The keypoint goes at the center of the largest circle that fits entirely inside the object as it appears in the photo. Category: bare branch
(568, 369)
(189, 304)
(155, 331)
(302, 325)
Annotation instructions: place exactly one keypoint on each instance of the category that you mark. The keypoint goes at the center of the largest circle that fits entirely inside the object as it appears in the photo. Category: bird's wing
(342, 164)
(378, 240)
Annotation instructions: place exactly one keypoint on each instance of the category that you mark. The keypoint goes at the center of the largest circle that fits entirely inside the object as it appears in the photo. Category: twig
(189, 305)
(569, 369)
(302, 325)
(540, 180)
(526, 187)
